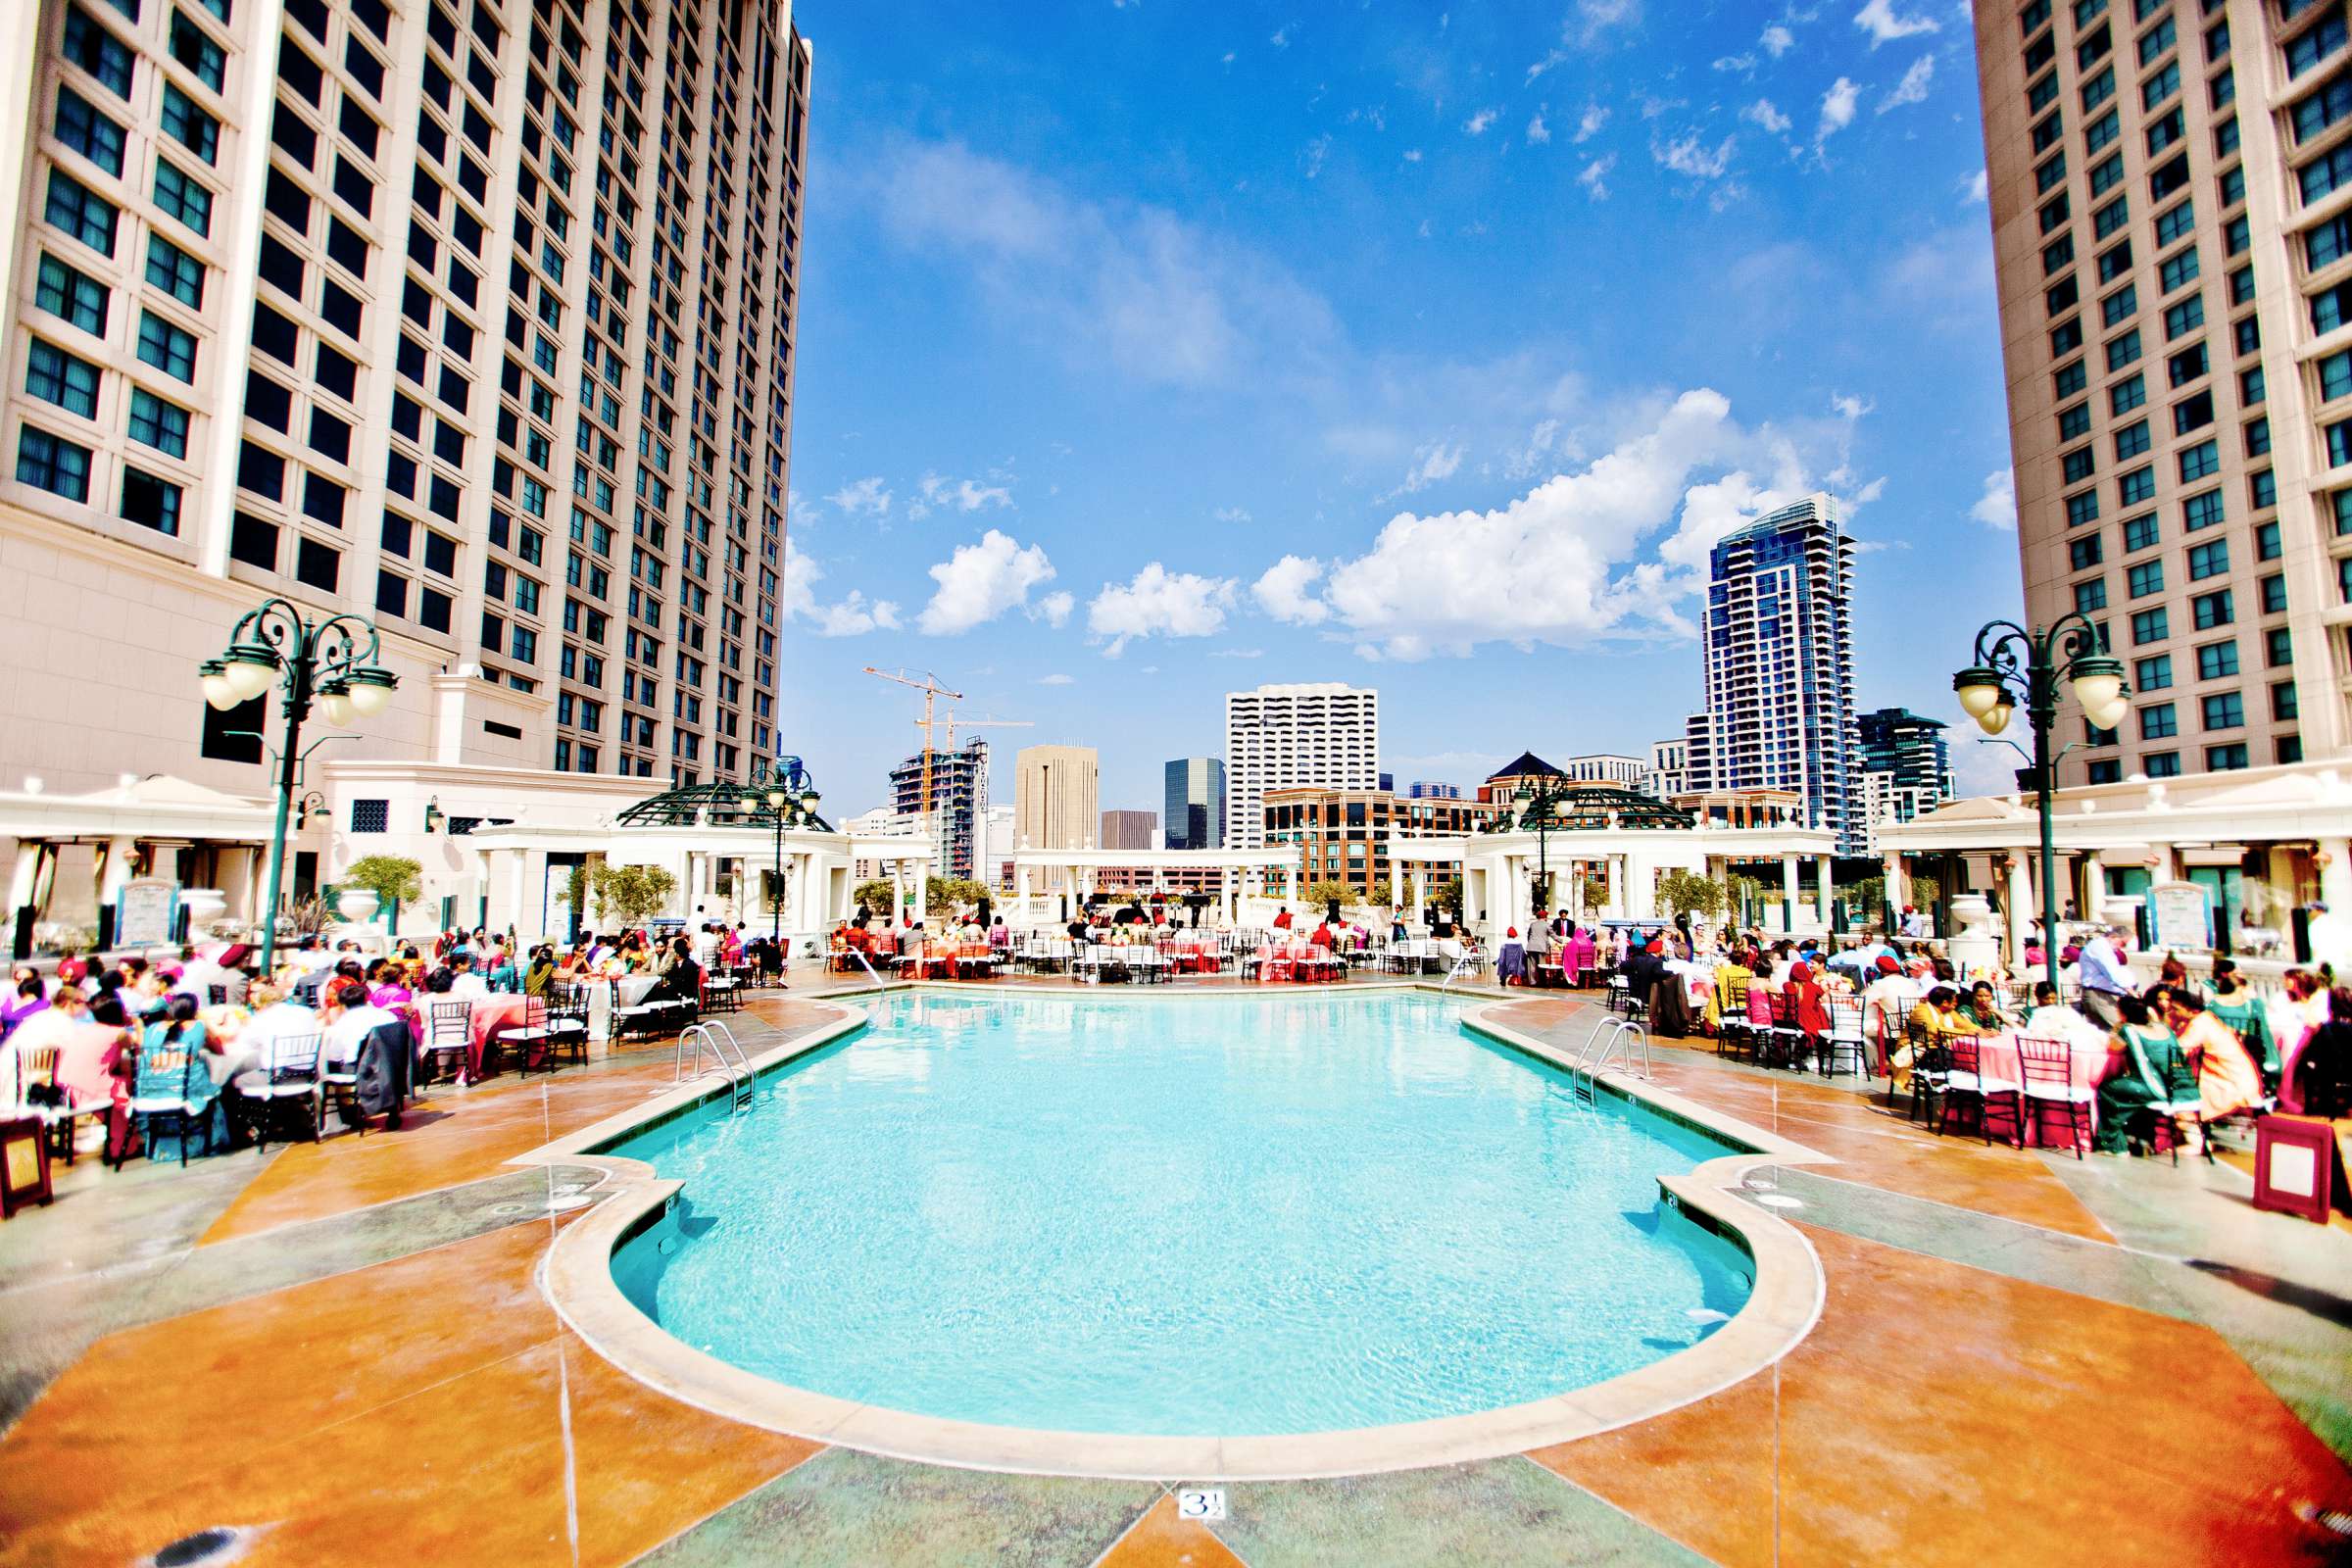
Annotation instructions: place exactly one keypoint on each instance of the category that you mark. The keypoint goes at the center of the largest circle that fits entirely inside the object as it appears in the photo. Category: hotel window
(2084, 554)
(166, 346)
(71, 297)
(80, 212)
(2135, 487)
(2252, 388)
(2161, 764)
(56, 376)
(2185, 318)
(2149, 627)
(2225, 759)
(53, 464)
(2158, 720)
(149, 501)
(2090, 595)
(2234, 184)
(2078, 466)
(2098, 90)
(189, 126)
(2209, 611)
(84, 127)
(2156, 40)
(2069, 380)
(2082, 508)
(2118, 307)
(2145, 578)
(2115, 261)
(2073, 424)
(2188, 365)
(2199, 461)
(2124, 350)
(2245, 335)
(2274, 595)
(2177, 270)
(2139, 534)
(194, 49)
(2258, 438)
(97, 51)
(2176, 223)
(2152, 674)
(2278, 648)
(2125, 396)
(174, 270)
(2242, 286)
(2216, 660)
(2284, 703)
(2307, 49)
(2117, 213)
(2103, 770)
(157, 423)
(2131, 440)
(2266, 543)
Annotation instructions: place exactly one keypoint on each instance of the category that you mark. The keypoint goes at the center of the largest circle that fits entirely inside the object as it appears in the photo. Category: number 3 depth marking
(1203, 1504)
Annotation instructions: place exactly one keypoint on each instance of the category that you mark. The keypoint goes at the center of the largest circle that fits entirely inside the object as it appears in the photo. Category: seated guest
(542, 973)
(2227, 1081)
(376, 1045)
(1811, 1006)
(2053, 1019)
(681, 980)
(171, 1067)
(464, 983)
(1939, 1017)
(30, 997)
(2243, 1015)
(2317, 1077)
(1982, 1009)
(1510, 959)
(1730, 973)
(2153, 1074)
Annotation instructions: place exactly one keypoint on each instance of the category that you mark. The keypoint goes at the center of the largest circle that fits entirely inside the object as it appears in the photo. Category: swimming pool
(1202, 1214)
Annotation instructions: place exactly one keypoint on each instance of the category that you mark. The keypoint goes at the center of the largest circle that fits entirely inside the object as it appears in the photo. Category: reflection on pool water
(1185, 1215)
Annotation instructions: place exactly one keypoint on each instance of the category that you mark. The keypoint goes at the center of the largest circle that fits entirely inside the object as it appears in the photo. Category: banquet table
(2086, 1064)
(492, 1017)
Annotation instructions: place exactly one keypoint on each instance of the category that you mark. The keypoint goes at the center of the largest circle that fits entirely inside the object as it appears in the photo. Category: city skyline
(1617, 378)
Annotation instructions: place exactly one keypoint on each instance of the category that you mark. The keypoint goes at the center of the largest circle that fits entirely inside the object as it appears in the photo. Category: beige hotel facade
(471, 317)
(2171, 189)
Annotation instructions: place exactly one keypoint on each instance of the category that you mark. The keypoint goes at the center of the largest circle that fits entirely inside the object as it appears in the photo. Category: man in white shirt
(2106, 977)
(349, 1032)
(706, 947)
(464, 985)
(277, 1018)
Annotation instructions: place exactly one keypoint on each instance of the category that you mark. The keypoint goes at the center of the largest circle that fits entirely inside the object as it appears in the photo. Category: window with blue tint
(2234, 184)
(2176, 223)
(80, 212)
(2199, 461)
(180, 195)
(2340, 443)
(2323, 109)
(167, 347)
(2117, 308)
(53, 464)
(2160, 764)
(2158, 720)
(2278, 648)
(2177, 270)
(2209, 611)
(55, 377)
(2242, 286)
(2080, 554)
(2145, 578)
(2165, 130)
(2117, 213)
(2330, 171)
(2258, 437)
(2149, 627)
(2090, 595)
(2102, 131)
(2131, 440)
(2185, 318)
(2188, 365)
(2068, 380)
(86, 128)
(2328, 243)
(2125, 396)
(2098, 90)
(2073, 423)
(149, 501)
(194, 48)
(2252, 390)
(157, 423)
(2224, 710)
(2201, 512)
(2273, 594)
(2225, 759)
(71, 296)
(2193, 413)
(2082, 508)
(2216, 659)
(2308, 48)
(2152, 674)
(86, 44)
(2121, 351)
(186, 123)
(2267, 545)
(2262, 489)
(2283, 705)
(174, 270)
(2076, 465)
(2115, 261)
(2335, 370)
(2162, 85)
(2156, 40)
(2140, 533)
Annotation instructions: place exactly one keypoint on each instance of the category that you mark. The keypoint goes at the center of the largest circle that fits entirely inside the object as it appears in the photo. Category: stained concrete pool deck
(343, 1354)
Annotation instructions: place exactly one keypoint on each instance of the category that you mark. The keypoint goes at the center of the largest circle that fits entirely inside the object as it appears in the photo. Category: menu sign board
(2182, 914)
(147, 910)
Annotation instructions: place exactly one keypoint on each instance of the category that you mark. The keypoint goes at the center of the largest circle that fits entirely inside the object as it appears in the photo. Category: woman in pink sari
(388, 989)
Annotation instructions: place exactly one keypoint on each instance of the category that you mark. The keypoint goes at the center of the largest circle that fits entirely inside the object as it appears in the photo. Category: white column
(1617, 885)
(1788, 892)
(20, 885)
(1395, 877)
(1420, 896)
(2336, 877)
(518, 916)
(898, 892)
(923, 887)
(2022, 912)
(2094, 888)
(1827, 876)
(1894, 888)
(119, 853)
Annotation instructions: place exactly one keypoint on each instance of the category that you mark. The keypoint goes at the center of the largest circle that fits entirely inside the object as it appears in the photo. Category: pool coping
(1783, 1304)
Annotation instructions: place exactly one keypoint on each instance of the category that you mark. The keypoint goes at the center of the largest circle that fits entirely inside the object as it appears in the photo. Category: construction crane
(952, 724)
(932, 691)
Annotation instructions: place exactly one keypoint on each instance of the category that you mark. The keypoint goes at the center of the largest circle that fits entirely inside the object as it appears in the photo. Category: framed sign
(2180, 915)
(146, 912)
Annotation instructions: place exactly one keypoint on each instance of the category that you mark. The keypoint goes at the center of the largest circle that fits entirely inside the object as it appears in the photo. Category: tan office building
(1054, 792)
(471, 317)
(2171, 187)
(1128, 830)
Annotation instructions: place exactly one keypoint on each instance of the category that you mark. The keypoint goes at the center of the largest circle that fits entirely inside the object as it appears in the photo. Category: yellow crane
(932, 691)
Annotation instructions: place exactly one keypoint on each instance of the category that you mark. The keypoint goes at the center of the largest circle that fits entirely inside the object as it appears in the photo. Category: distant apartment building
(1776, 645)
(1055, 791)
(2174, 263)
(1192, 811)
(1606, 767)
(1344, 834)
(1323, 735)
(958, 795)
(1430, 790)
(471, 317)
(1906, 767)
(1127, 830)
(992, 852)
(1669, 772)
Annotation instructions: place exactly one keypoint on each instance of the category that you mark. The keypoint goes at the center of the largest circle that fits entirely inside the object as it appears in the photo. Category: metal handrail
(742, 1083)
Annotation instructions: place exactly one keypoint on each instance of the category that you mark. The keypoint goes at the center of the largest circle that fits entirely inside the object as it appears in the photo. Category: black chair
(2046, 1069)
(292, 1083)
(1931, 1059)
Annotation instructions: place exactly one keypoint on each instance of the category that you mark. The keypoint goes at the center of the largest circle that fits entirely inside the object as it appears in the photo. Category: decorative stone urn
(358, 906)
(1974, 949)
(205, 907)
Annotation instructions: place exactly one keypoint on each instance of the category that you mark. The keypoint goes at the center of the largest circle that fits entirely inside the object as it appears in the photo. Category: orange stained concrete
(1871, 1140)
(458, 1136)
(406, 1413)
(1943, 1414)
(1162, 1539)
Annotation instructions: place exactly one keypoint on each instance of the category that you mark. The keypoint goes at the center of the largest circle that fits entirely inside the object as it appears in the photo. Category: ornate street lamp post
(1535, 806)
(2013, 665)
(784, 794)
(334, 660)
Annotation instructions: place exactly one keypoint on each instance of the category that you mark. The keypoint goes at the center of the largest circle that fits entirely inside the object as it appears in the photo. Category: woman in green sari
(2150, 1072)
(2234, 1006)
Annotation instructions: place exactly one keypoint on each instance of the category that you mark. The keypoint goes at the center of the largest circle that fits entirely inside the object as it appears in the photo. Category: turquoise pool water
(1179, 1216)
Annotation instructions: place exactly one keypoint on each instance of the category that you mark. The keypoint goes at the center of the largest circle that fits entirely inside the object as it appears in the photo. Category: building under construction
(958, 796)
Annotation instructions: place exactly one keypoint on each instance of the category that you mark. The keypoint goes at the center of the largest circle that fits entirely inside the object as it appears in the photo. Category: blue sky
(1149, 351)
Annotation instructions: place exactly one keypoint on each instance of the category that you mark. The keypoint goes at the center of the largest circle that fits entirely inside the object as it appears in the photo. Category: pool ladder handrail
(1468, 964)
(719, 1040)
(1610, 1034)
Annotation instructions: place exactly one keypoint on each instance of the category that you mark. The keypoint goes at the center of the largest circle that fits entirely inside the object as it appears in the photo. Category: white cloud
(1237, 653)
(1053, 609)
(938, 494)
(851, 616)
(1913, 89)
(1056, 679)
(1877, 18)
(1280, 36)
(1688, 155)
(1595, 178)
(1431, 464)
(1412, 155)
(1283, 591)
(1741, 63)
(1588, 124)
(871, 496)
(1610, 550)
(1477, 124)
(981, 581)
(1776, 40)
(1126, 287)
(1836, 110)
(1974, 188)
(1158, 602)
(1996, 507)
(1538, 132)
(1231, 515)
(1542, 442)
(1849, 407)
(1311, 159)
(1763, 112)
